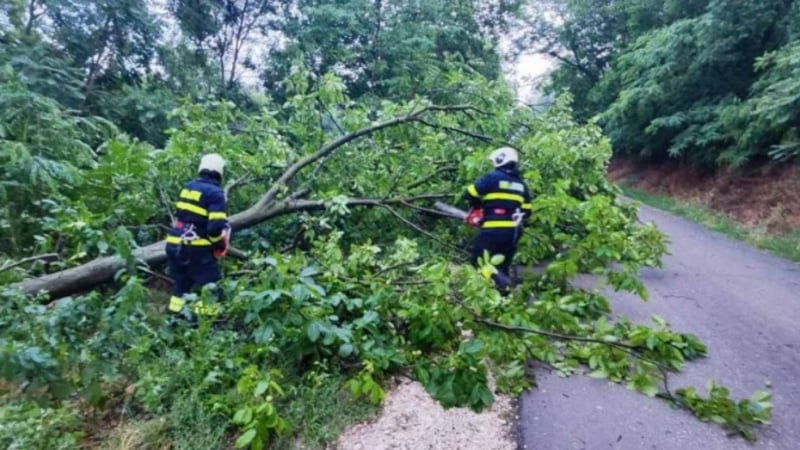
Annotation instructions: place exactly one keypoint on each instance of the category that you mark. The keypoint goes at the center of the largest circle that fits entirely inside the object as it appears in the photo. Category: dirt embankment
(767, 197)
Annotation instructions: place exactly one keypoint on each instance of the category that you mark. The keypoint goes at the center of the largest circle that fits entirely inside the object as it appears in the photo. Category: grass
(137, 435)
(321, 410)
(786, 245)
(176, 408)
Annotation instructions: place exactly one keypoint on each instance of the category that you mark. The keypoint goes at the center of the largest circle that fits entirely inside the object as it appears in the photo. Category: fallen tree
(102, 270)
(355, 298)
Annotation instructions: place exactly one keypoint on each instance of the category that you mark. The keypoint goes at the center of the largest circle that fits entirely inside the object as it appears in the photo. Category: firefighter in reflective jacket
(500, 202)
(199, 237)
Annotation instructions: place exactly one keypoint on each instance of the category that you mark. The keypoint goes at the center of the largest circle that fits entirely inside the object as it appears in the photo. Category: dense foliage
(334, 299)
(711, 83)
(391, 49)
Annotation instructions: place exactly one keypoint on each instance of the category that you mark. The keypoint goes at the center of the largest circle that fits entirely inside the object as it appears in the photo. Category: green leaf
(309, 272)
(497, 260)
(649, 390)
(486, 396)
(599, 373)
(355, 387)
(376, 394)
(473, 346)
(245, 439)
(261, 388)
(263, 334)
(423, 376)
(346, 350)
(717, 419)
(314, 330)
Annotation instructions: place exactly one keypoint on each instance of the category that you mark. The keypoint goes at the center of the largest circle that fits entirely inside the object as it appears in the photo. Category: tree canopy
(710, 83)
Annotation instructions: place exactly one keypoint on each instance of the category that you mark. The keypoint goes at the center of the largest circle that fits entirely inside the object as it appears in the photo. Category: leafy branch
(331, 147)
(741, 417)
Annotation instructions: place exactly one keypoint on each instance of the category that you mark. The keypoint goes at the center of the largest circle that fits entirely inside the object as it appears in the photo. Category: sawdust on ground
(411, 420)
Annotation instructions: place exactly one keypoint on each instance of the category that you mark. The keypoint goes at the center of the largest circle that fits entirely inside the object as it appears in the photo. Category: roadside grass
(177, 407)
(786, 245)
(321, 409)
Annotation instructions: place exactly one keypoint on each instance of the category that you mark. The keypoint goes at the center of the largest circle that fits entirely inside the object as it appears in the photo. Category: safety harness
(187, 238)
(517, 217)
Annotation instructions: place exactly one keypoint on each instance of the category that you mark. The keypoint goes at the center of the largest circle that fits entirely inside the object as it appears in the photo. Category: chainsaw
(220, 253)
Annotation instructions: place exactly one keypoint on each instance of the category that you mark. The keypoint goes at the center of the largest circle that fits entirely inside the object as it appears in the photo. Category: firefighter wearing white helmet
(500, 203)
(212, 162)
(503, 156)
(199, 237)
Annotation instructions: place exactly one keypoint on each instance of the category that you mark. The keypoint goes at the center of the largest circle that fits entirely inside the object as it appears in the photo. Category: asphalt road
(743, 303)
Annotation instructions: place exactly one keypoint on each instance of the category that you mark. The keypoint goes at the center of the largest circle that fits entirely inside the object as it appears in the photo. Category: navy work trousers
(191, 268)
(497, 241)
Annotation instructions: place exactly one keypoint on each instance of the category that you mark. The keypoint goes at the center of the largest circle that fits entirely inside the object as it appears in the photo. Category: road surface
(743, 303)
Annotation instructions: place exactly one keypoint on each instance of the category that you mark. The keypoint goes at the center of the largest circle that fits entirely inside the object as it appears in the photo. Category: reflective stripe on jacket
(499, 194)
(201, 204)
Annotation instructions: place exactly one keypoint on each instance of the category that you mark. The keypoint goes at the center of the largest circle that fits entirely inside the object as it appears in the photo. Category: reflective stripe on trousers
(200, 308)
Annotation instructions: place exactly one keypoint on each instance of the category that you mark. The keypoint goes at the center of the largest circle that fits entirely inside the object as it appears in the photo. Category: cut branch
(629, 349)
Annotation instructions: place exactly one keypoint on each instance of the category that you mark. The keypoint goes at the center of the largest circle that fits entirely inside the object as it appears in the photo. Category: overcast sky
(528, 72)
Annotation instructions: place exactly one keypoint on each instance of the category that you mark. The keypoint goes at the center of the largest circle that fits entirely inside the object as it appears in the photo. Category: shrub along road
(743, 303)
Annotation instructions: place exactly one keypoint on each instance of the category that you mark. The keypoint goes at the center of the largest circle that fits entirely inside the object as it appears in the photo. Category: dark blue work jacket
(500, 194)
(201, 214)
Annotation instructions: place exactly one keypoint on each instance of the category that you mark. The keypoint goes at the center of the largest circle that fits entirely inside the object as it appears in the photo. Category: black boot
(503, 283)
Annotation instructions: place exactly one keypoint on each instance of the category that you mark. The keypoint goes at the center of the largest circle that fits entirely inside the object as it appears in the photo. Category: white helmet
(503, 156)
(212, 162)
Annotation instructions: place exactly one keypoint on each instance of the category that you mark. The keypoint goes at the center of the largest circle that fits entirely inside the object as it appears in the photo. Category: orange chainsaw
(474, 217)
